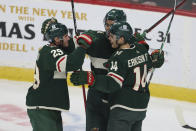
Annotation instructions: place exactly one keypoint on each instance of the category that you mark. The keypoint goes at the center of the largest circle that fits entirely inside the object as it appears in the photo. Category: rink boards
(158, 90)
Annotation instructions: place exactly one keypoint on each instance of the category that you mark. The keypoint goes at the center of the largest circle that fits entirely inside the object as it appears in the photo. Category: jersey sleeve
(75, 59)
(71, 47)
(114, 79)
(52, 59)
(106, 84)
(57, 59)
(117, 70)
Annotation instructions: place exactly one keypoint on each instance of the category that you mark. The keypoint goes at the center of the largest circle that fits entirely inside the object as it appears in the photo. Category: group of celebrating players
(118, 92)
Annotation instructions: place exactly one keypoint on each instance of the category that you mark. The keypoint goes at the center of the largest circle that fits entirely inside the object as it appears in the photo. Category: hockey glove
(157, 58)
(86, 39)
(83, 77)
(141, 40)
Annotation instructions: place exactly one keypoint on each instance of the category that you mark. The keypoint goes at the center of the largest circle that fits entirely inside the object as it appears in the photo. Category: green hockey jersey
(99, 53)
(49, 90)
(126, 78)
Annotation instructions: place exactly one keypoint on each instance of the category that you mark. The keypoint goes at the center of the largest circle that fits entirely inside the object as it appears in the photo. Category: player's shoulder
(120, 57)
(123, 54)
(141, 47)
(97, 33)
(100, 32)
(46, 49)
(119, 54)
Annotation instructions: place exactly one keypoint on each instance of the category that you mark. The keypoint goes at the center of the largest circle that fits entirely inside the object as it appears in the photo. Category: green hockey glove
(86, 39)
(141, 40)
(82, 77)
(157, 58)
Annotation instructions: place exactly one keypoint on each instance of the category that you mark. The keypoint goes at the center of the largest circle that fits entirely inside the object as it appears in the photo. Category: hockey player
(45, 26)
(48, 95)
(125, 81)
(97, 108)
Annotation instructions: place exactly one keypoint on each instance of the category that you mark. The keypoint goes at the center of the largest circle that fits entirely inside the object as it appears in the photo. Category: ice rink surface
(160, 115)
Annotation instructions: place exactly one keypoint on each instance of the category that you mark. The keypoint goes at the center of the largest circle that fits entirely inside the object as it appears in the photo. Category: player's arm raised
(76, 58)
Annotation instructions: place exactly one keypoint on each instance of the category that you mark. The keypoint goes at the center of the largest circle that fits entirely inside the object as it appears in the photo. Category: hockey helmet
(115, 15)
(46, 24)
(55, 30)
(122, 29)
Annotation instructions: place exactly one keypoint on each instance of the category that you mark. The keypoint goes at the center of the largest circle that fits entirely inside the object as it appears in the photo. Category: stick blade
(189, 127)
(180, 118)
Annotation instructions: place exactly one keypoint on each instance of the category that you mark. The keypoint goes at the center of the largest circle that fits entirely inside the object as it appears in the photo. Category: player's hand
(86, 39)
(82, 78)
(157, 58)
(141, 40)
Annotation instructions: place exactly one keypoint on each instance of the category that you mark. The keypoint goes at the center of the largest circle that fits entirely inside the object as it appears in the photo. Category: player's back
(133, 66)
(50, 85)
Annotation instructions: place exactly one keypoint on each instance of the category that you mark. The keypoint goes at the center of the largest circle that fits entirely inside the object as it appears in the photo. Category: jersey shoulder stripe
(61, 63)
(119, 79)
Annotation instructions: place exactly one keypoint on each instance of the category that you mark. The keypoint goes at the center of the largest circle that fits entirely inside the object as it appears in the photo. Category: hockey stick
(164, 17)
(75, 28)
(180, 118)
(74, 17)
(167, 32)
(178, 110)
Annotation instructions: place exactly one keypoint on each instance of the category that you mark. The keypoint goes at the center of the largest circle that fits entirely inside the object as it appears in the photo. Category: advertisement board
(21, 38)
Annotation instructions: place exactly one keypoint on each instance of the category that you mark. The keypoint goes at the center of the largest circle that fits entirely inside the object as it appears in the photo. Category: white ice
(160, 115)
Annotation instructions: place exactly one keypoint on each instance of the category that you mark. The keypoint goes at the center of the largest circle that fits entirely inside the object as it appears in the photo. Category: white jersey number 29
(56, 52)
